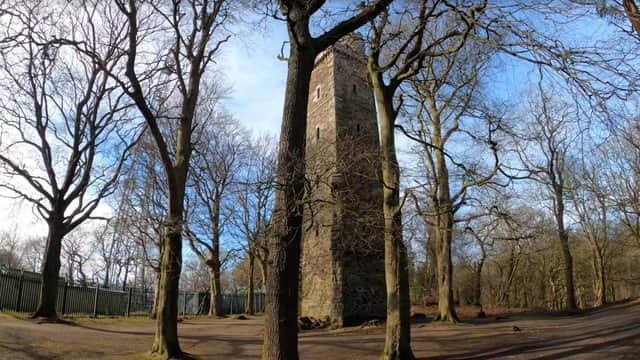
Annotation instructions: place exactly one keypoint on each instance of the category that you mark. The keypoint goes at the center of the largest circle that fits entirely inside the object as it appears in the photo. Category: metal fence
(20, 291)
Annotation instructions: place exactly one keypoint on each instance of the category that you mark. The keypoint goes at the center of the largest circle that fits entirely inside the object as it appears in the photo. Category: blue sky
(256, 77)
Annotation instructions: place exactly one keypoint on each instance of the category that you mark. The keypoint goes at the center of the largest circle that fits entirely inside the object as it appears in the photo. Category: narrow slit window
(317, 230)
(355, 89)
(358, 129)
(317, 133)
(318, 92)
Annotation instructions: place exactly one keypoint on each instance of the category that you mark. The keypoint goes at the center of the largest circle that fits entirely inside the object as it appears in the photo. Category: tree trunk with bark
(263, 272)
(398, 325)
(444, 230)
(166, 338)
(250, 293)
(156, 296)
(446, 310)
(563, 238)
(215, 293)
(477, 287)
(51, 269)
(281, 317)
(281, 313)
(432, 269)
(215, 308)
(600, 293)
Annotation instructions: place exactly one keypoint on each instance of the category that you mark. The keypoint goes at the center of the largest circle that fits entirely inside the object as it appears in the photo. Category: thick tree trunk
(446, 310)
(398, 325)
(107, 272)
(215, 289)
(444, 229)
(50, 270)
(215, 293)
(433, 284)
(156, 296)
(166, 339)
(563, 238)
(600, 292)
(263, 272)
(249, 308)
(281, 313)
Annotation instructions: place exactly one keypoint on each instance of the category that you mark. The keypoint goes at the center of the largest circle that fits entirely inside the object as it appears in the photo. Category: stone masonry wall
(343, 246)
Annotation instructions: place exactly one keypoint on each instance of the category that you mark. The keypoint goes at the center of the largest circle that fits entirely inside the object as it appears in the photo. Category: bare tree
(388, 72)
(219, 157)
(253, 197)
(547, 157)
(446, 108)
(593, 202)
(623, 177)
(191, 33)
(10, 254)
(145, 208)
(77, 252)
(482, 231)
(65, 112)
(32, 251)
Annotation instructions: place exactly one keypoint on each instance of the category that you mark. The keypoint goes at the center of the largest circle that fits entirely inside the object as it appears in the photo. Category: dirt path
(609, 333)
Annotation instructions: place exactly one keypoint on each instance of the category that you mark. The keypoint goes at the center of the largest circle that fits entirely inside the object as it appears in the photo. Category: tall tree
(194, 31)
(281, 324)
(219, 157)
(254, 198)
(592, 204)
(445, 109)
(144, 206)
(396, 56)
(546, 155)
(65, 111)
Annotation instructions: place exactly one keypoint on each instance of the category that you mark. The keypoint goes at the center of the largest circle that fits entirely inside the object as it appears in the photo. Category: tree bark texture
(250, 293)
(281, 318)
(166, 338)
(398, 325)
(563, 239)
(215, 293)
(443, 231)
(51, 269)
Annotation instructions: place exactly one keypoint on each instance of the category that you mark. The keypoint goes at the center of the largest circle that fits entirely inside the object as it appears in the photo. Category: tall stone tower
(343, 242)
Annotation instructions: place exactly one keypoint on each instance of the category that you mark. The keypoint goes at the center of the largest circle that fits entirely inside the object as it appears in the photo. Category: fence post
(184, 309)
(129, 302)
(20, 285)
(64, 297)
(95, 301)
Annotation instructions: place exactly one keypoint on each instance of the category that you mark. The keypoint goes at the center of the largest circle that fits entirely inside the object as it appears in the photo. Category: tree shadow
(527, 346)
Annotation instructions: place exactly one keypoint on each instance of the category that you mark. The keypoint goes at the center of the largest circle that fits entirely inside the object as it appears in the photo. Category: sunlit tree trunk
(156, 295)
(443, 228)
(281, 315)
(563, 238)
(398, 325)
(215, 295)
(166, 339)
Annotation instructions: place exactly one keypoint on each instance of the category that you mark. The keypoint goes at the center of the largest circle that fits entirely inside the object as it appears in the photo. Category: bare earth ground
(608, 333)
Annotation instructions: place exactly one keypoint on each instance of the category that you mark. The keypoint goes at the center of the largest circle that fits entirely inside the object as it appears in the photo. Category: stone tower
(343, 242)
